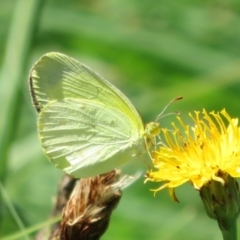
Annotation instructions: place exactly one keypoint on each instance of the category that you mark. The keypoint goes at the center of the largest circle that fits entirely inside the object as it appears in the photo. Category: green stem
(229, 229)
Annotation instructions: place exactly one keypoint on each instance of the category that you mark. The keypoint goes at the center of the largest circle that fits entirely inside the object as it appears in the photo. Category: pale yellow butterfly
(86, 125)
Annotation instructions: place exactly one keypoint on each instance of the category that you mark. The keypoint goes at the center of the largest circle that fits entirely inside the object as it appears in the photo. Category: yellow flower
(197, 154)
(207, 155)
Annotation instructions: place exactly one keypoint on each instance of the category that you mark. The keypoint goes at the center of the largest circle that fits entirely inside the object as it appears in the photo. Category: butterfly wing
(86, 138)
(86, 125)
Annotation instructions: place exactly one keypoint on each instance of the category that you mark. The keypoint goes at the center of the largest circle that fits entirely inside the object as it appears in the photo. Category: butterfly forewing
(57, 76)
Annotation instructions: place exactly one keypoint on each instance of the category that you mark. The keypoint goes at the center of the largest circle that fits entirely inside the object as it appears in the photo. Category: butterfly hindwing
(85, 137)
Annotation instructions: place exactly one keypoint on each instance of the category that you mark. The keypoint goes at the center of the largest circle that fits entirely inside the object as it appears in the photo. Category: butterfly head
(151, 131)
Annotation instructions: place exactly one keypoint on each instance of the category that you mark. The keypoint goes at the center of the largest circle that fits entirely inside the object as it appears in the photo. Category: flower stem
(229, 232)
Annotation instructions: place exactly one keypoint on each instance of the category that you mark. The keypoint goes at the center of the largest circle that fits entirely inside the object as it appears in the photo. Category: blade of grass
(13, 211)
(32, 229)
(24, 23)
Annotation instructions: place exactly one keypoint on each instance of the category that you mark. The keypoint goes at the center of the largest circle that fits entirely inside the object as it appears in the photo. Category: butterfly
(86, 125)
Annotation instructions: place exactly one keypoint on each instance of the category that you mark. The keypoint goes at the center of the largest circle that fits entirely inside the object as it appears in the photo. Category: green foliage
(153, 51)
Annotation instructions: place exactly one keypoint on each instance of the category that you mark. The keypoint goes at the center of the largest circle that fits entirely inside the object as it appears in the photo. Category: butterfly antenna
(161, 114)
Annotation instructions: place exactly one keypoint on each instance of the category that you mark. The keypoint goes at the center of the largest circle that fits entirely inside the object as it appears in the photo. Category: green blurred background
(153, 51)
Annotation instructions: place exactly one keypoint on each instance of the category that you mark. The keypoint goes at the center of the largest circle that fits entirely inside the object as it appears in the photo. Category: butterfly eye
(153, 129)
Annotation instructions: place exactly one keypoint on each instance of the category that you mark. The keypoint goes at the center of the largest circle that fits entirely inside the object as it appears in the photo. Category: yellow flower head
(198, 153)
